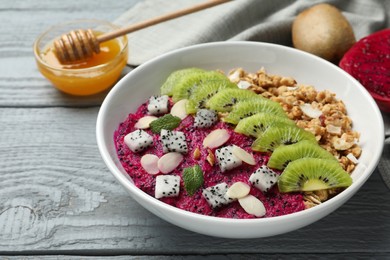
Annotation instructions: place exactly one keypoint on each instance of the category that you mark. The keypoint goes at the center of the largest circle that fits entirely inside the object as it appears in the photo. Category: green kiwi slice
(175, 77)
(224, 100)
(258, 123)
(310, 174)
(250, 107)
(183, 89)
(273, 137)
(201, 94)
(285, 154)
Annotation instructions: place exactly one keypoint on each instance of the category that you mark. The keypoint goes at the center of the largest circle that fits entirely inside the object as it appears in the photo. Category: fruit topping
(310, 174)
(283, 155)
(251, 107)
(167, 122)
(144, 122)
(263, 178)
(158, 105)
(173, 141)
(226, 159)
(138, 140)
(216, 138)
(205, 118)
(252, 205)
(273, 137)
(167, 186)
(193, 179)
(149, 163)
(225, 99)
(215, 195)
(175, 77)
(258, 123)
(169, 161)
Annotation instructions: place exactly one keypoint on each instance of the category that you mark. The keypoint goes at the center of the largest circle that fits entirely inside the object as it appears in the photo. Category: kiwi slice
(273, 137)
(250, 107)
(310, 174)
(258, 123)
(224, 100)
(175, 77)
(204, 92)
(183, 89)
(285, 154)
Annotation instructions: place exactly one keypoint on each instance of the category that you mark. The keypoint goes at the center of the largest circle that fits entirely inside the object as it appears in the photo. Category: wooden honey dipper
(81, 44)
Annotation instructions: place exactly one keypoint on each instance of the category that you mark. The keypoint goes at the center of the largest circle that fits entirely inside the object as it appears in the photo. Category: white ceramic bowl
(144, 81)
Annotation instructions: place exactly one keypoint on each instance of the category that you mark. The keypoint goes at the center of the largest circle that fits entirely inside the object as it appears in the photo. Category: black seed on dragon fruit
(263, 178)
(138, 140)
(158, 105)
(226, 159)
(173, 141)
(215, 195)
(205, 118)
(167, 186)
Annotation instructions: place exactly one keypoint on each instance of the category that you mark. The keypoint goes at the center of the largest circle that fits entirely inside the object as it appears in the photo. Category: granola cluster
(319, 112)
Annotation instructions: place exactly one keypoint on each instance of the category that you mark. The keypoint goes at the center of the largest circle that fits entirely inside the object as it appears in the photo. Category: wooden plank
(58, 197)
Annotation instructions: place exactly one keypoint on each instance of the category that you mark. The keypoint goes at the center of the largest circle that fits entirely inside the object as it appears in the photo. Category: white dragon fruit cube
(173, 141)
(167, 186)
(138, 140)
(264, 178)
(226, 159)
(205, 118)
(158, 105)
(216, 195)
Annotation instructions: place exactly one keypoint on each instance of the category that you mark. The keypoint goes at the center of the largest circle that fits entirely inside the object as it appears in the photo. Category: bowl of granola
(240, 139)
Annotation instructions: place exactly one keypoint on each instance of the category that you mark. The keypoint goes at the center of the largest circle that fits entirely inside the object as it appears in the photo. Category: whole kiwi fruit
(323, 31)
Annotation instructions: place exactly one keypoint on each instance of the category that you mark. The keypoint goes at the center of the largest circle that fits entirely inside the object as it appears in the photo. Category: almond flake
(179, 109)
(216, 138)
(252, 205)
(169, 161)
(144, 122)
(333, 129)
(238, 190)
(243, 155)
(149, 163)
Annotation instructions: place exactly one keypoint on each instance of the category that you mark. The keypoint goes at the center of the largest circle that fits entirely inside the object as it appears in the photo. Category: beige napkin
(252, 20)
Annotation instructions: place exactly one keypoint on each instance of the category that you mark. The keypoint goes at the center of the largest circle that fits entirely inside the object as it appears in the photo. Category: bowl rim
(217, 220)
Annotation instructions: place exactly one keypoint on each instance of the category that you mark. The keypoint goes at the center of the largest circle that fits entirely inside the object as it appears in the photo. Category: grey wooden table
(58, 199)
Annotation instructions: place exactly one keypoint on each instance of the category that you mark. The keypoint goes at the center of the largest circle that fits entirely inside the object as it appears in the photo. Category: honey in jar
(85, 77)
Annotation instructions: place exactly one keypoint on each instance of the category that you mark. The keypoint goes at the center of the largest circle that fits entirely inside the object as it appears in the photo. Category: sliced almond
(238, 190)
(311, 112)
(179, 109)
(252, 205)
(216, 138)
(169, 161)
(144, 122)
(243, 155)
(149, 163)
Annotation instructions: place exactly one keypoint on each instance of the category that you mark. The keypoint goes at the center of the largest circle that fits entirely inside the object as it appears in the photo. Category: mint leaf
(193, 179)
(168, 122)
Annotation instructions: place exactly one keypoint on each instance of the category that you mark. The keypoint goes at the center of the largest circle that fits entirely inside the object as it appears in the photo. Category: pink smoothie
(276, 203)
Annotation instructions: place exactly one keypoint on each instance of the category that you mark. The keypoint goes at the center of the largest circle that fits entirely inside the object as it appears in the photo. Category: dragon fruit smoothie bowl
(133, 92)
